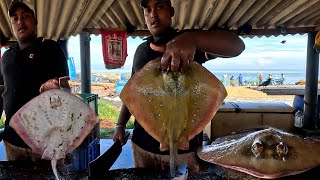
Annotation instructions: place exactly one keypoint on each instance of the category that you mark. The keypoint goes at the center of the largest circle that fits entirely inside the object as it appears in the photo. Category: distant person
(232, 81)
(240, 80)
(260, 77)
(283, 80)
(225, 79)
(271, 77)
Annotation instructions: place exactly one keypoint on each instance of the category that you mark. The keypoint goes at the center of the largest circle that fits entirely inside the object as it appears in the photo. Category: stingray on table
(269, 153)
(54, 124)
(173, 107)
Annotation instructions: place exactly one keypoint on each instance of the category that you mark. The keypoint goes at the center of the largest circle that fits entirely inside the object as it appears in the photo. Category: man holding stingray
(177, 49)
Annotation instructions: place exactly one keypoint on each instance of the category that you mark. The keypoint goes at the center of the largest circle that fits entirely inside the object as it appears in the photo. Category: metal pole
(85, 63)
(311, 93)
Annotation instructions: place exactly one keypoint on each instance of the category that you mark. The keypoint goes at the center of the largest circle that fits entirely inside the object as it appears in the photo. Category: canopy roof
(59, 19)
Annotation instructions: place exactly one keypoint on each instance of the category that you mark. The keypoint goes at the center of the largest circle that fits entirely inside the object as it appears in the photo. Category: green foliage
(3, 119)
(107, 111)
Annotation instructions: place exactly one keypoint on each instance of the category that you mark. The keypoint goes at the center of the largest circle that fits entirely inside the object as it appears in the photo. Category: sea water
(251, 75)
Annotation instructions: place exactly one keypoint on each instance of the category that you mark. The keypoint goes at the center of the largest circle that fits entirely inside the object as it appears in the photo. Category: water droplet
(159, 115)
(195, 103)
(194, 115)
(185, 120)
(161, 105)
(179, 101)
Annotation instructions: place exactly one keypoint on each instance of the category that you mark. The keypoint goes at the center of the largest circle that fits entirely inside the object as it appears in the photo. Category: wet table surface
(122, 169)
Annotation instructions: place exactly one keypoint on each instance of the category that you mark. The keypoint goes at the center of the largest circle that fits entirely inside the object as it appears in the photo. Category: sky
(260, 54)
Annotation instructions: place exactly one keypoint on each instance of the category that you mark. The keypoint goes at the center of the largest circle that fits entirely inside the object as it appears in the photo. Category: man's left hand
(57, 83)
(179, 52)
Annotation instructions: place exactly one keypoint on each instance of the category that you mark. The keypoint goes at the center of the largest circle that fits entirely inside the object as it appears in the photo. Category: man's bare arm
(181, 50)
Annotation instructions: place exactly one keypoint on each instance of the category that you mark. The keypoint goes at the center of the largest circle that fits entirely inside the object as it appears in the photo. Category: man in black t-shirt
(30, 67)
(177, 49)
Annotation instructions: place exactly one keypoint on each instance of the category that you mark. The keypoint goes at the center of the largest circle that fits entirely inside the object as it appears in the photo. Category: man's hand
(179, 52)
(119, 134)
(57, 83)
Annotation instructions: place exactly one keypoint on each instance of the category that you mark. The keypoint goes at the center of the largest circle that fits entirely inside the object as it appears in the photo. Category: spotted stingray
(268, 153)
(54, 124)
(173, 107)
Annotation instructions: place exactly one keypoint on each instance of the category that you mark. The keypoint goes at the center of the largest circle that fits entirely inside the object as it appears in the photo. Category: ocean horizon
(250, 75)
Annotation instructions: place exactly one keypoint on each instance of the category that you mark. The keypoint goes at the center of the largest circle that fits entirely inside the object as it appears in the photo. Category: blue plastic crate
(82, 156)
(90, 147)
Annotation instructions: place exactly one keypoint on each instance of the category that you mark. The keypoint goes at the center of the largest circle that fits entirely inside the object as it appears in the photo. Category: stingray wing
(235, 152)
(54, 123)
(173, 107)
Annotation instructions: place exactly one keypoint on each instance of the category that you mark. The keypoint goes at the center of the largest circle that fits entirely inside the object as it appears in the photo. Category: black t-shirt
(22, 74)
(143, 55)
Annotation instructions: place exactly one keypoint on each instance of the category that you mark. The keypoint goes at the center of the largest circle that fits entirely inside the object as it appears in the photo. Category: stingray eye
(282, 150)
(257, 148)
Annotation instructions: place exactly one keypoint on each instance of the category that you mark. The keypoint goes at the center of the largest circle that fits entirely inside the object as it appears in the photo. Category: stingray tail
(173, 157)
(54, 168)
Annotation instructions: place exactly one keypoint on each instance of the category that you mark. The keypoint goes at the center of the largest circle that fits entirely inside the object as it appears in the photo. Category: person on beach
(232, 81)
(260, 78)
(240, 80)
(225, 79)
(177, 49)
(31, 66)
(283, 80)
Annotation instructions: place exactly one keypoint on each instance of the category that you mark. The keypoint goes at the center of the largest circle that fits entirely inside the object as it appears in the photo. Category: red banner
(114, 46)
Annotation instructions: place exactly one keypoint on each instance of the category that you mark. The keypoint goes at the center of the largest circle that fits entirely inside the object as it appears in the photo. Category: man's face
(158, 16)
(23, 25)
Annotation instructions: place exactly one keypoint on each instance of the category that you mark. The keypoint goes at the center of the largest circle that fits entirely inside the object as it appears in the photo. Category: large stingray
(173, 107)
(268, 153)
(54, 124)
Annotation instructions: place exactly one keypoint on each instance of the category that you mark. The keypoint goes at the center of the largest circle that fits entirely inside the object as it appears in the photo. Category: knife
(101, 165)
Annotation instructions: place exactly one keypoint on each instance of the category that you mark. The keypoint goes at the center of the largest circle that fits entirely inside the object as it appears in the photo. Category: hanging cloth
(114, 46)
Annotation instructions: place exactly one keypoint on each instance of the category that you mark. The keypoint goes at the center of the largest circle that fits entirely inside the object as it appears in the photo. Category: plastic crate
(91, 99)
(90, 147)
(82, 156)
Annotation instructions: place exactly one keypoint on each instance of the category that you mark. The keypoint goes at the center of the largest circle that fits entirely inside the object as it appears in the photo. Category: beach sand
(246, 94)
(235, 94)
